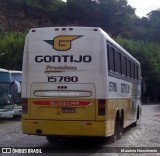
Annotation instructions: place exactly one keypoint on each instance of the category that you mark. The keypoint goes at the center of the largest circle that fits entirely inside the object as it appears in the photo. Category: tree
(12, 45)
(113, 16)
(154, 20)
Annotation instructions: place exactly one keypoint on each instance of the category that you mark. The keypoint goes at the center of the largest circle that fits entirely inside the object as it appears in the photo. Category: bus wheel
(117, 131)
(52, 139)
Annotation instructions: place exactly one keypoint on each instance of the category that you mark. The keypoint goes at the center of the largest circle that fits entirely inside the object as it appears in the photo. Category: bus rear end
(61, 81)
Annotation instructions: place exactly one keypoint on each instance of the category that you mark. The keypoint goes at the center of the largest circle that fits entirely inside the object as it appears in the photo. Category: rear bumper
(64, 128)
(18, 111)
(7, 114)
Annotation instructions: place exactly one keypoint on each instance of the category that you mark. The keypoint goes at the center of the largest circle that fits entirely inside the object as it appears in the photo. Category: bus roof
(15, 71)
(3, 70)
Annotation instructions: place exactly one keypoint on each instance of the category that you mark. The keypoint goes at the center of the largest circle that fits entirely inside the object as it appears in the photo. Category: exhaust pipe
(39, 131)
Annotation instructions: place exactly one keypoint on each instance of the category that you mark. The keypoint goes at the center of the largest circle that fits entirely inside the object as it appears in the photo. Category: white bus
(17, 76)
(6, 101)
(77, 81)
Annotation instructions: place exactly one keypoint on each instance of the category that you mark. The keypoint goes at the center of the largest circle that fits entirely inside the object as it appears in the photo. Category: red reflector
(101, 107)
(88, 123)
(24, 106)
(62, 103)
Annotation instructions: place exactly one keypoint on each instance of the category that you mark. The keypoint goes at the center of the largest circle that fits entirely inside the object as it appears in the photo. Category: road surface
(146, 134)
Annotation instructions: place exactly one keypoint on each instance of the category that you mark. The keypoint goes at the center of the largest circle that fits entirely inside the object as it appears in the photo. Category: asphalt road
(146, 136)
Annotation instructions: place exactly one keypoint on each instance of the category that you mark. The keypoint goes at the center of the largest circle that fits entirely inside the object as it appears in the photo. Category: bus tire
(117, 130)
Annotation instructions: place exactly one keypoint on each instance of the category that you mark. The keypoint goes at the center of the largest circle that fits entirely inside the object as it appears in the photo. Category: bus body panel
(43, 61)
(64, 128)
(127, 93)
(101, 127)
(67, 86)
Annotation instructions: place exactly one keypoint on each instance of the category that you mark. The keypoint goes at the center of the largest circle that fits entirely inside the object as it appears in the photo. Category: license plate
(68, 110)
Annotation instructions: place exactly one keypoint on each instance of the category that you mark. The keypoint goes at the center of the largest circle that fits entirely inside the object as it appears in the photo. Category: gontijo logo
(62, 43)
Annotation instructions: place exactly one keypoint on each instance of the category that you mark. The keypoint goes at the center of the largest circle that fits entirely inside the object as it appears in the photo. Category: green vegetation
(12, 44)
(48, 5)
(139, 36)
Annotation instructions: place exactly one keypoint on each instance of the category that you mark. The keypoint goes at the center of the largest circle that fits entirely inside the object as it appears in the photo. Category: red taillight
(24, 106)
(101, 107)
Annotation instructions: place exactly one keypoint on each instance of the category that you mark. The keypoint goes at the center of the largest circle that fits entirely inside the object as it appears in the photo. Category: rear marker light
(88, 123)
(24, 106)
(101, 107)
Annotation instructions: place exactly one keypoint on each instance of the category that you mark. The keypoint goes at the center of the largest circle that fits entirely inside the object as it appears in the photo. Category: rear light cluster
(24, 106)
(101, 107)
(63, 29)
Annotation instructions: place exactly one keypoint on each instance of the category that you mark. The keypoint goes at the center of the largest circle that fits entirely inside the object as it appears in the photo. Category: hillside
(21, 15)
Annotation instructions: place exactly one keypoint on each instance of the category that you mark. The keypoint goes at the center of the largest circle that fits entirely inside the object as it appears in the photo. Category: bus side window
(129, 73)
(118, 62)
(111, 58)
(132, 70)
(108, 57)
(124, 65)
(136, 72)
